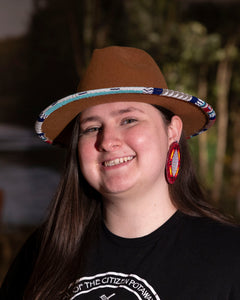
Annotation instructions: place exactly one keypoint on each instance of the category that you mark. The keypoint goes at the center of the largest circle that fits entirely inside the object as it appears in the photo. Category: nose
(108, 140)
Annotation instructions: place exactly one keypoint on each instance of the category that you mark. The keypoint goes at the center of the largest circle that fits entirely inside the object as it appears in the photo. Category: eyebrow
(126, 110)
(113, 113)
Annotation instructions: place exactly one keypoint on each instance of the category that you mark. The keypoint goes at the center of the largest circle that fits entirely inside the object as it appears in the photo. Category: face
(123, 147)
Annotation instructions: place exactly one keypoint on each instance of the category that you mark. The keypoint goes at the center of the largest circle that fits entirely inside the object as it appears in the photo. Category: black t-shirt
(187, 258)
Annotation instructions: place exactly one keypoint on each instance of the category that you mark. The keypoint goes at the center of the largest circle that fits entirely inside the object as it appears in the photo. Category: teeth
(117, 161)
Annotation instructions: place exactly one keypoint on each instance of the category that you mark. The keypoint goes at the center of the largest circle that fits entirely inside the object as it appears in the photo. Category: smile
(117, 161)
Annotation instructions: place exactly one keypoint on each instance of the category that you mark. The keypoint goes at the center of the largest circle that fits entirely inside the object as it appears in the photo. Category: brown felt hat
(122, 74)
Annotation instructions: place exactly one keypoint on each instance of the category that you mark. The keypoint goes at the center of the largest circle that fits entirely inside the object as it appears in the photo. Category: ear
(175, 129)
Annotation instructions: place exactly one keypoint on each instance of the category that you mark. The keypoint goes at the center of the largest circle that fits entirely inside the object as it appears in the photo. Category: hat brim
(197, 115)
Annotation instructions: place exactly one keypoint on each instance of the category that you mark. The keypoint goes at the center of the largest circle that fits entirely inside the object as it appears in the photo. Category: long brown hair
(75, 216)
(73, 220)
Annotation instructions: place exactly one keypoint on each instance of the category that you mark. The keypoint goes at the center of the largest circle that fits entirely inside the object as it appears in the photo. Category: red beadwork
(173, 162)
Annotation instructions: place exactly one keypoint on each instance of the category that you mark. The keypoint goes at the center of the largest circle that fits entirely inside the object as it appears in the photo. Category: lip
(117, 161)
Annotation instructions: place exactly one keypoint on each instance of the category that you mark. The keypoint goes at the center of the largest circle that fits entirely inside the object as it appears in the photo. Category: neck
(137, 216)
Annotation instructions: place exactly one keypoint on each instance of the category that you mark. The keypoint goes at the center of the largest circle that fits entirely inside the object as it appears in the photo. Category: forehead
(118, 108)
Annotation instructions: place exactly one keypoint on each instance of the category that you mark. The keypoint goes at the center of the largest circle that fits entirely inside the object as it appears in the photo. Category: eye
(128, 121)
(91, 130)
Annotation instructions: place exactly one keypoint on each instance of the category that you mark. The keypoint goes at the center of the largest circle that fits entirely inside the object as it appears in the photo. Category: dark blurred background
(45, 46)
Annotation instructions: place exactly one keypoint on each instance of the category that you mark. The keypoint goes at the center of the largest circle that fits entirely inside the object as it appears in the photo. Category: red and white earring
(173, 162)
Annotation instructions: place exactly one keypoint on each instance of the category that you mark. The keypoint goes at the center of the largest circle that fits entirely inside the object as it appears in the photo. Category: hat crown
(117, 74)
(121, 67)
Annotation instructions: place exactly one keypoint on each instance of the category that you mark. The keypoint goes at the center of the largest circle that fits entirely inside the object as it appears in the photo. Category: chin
(115, 190)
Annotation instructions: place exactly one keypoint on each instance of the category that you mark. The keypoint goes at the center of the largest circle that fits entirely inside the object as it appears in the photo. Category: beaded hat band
(122, 74)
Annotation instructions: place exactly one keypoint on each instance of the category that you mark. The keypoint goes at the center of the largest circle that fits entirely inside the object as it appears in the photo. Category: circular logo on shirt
(114, 286)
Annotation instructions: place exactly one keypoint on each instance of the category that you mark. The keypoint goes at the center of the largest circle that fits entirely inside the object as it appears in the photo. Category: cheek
(147, 137)
(86, 151)
(137, 141)
(88, 162)
(151, 143)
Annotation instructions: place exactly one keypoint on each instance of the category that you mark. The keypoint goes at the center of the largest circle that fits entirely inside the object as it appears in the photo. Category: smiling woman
(131, 133)
(129, 220)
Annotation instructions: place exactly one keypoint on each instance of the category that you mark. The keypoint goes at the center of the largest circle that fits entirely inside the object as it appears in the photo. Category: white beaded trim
(208, 110)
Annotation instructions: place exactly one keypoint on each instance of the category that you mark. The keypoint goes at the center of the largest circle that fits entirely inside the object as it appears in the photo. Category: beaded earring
(173, 162)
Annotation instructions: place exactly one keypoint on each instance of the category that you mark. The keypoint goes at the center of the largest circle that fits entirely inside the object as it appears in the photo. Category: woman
(129, 220)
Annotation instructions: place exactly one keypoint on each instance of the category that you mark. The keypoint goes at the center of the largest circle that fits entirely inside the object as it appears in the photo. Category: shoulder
(218, 238)
(212, 249)
(206, 226)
